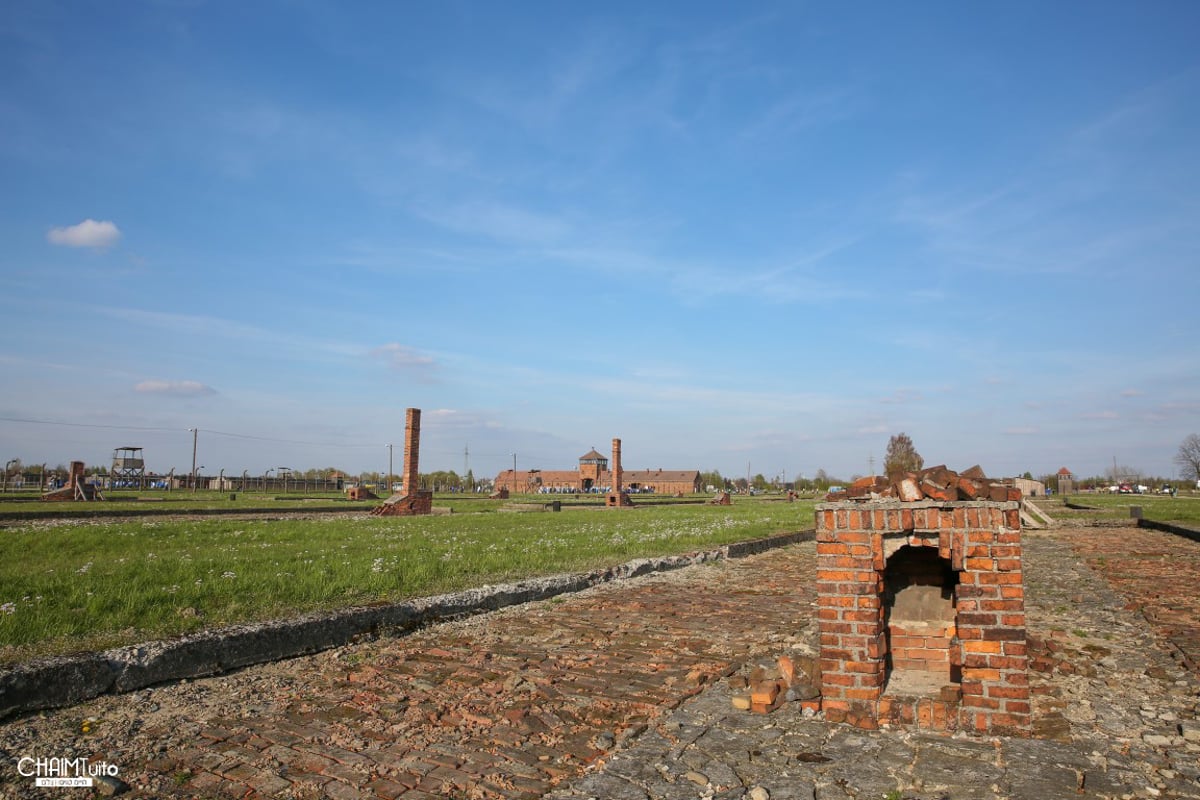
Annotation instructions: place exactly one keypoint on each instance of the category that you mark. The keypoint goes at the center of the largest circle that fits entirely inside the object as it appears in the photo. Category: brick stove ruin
(921, 610)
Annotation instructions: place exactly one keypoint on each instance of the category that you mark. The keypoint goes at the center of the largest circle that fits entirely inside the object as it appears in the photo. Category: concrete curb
(67, 680)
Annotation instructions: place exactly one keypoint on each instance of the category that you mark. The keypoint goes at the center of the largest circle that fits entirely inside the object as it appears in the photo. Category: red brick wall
(981, 541)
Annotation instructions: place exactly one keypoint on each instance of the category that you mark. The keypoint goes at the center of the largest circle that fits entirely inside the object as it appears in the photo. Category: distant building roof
(592, 455)
(1065, 471)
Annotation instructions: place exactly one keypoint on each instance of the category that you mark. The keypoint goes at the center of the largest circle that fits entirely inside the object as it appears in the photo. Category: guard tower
(1066, 481)
(591, 465)
(128, 468)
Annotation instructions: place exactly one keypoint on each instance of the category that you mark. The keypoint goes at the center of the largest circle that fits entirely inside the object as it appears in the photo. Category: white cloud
(88, 233)
(403, 358)
(902, 396)
(500, 222)
(175, 388)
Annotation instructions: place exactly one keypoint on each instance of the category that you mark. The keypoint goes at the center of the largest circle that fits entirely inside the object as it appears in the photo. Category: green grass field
(68, 585)
(14, 505)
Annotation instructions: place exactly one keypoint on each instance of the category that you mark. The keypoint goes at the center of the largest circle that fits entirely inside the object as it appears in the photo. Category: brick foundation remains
(77, 487)
(922, 615)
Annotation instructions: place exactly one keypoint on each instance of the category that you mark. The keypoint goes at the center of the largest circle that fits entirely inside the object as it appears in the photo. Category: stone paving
(1157, 575)
(617, 692)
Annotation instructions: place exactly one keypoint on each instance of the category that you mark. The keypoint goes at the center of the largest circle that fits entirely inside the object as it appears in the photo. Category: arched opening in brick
(919, 622)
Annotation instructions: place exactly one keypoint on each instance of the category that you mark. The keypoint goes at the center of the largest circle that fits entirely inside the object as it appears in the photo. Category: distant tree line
(901, 456)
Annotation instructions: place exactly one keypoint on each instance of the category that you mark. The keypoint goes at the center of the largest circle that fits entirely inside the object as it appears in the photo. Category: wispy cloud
(89, 233)
(541, 98)
(504, 222)
(403, 358)
(798, 111)
(175, 388)
(902, 396)
(210, 327)
(1085, 203)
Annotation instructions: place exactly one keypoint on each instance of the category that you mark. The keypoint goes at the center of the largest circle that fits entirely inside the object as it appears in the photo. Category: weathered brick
(978, 701)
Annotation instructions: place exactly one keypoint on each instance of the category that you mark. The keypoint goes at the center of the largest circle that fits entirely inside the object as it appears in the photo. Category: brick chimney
(413, 501)
(616, 498)
(412, 447)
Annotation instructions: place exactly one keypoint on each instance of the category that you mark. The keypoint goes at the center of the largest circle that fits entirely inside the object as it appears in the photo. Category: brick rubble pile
(793, 677)
(933, 483)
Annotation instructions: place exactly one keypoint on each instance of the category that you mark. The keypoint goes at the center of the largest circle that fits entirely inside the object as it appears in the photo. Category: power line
(285, 441)
(87, 425)
(176, 430)
(232, 435)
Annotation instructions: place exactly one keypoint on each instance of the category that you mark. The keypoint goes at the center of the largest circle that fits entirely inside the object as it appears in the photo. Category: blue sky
(763, 236)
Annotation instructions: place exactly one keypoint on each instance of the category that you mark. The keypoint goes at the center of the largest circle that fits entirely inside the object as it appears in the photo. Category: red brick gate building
(594, 475)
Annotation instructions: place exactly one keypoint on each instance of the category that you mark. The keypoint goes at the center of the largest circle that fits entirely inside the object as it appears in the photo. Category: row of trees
(820, 482)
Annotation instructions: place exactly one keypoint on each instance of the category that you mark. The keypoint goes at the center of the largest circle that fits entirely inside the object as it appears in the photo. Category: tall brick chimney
(617, 473)
(412, 501)
(412, 447)
(616, 498)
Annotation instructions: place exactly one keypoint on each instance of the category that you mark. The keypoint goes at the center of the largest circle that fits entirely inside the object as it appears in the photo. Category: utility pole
(195, 435)
(871, 461)
(389, 475)
(514, 486)
(462, 483)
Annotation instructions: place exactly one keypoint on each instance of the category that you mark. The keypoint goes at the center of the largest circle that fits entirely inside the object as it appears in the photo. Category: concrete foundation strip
(67, 680)
(1166, 527)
